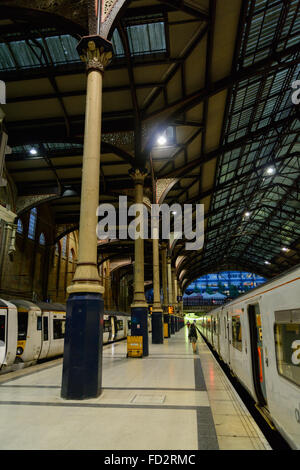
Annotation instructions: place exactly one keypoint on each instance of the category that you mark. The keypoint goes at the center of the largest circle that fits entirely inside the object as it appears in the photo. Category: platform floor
(171, 400)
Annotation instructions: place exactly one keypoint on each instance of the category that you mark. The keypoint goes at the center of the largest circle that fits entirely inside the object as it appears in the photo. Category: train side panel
(57, 321)
(281, 332)
(29, 334)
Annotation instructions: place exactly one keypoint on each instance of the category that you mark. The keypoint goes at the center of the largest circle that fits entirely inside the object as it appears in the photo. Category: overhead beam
(186, 8)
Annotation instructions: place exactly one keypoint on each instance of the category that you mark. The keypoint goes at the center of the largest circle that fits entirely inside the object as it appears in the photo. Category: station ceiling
(214, 76)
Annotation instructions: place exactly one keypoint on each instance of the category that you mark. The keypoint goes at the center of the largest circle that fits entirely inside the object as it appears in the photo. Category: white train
(258, 336)
(30, 332)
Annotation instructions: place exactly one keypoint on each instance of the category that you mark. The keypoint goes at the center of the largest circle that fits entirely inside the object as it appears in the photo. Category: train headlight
(19, 351)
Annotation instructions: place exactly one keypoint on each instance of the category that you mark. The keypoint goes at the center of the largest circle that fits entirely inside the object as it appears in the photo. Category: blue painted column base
(139, 326)
(82, 365)
(172, 325)
(157, 328)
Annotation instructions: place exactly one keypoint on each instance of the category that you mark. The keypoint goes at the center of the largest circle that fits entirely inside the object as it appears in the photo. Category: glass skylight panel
(28, 54)
(117, 44)
(6, 60)
(147, 38)
(63, 49)
(33, 53)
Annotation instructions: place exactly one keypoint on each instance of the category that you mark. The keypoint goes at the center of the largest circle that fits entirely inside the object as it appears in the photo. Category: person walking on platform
(193, 336)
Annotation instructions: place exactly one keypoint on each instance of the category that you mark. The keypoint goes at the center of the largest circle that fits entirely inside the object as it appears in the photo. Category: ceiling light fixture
(247, 214)
(161, 140)
(33, 151)
(267, 262)
(284, 248)
(270, 170)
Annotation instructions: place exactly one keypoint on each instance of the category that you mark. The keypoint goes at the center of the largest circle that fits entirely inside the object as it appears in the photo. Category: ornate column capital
(138, 175)
(95, 51)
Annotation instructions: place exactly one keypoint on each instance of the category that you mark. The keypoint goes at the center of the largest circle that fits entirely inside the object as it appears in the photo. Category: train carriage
(52, 329)
(8, 338)
(35, 331)
(259, 339)
(28, 331)
(40, 330)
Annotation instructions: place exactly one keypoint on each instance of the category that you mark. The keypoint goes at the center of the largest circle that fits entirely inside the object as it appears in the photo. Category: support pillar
(157, 311)
(170, 294)
(139, 307)
(175, 303)
(82, 366)
(165, 287)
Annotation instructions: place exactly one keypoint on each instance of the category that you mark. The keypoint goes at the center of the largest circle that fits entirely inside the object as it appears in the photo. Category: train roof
(6, 304)
(53, 307)
(24, 303)
(115, 312)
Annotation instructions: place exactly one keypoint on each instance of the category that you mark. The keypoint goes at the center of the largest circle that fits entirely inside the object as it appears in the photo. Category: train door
(114, 328)
(218, 332)
(257, 353)
(58, 325)
(227, 334)
(106, 329)
(212, 330)
(45, 336)
(3, 316)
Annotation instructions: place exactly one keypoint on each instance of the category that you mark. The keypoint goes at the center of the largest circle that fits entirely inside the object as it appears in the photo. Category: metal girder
(186, 8)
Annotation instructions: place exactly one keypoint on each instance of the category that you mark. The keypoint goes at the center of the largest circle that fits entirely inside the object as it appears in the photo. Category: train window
(106, 326)
(120, 325)
(58, 329)
(39, 323)
(22, 325)
(237, 332)
(2, 328)
(287, 345)
(129, 324)
(45, 328)
(225, 328)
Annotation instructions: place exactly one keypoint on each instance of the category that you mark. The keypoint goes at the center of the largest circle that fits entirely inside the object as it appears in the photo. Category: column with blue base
(174, 291)
(170, 293)
(139, 307)
(157, 311)
(82, 364)
(172, 324)
(166, 316)
(82, 367)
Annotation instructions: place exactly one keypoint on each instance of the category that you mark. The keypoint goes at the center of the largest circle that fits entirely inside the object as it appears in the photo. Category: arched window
(42, 240)
(32, 223)
(64, 246)
(20, 226)
(57, 249)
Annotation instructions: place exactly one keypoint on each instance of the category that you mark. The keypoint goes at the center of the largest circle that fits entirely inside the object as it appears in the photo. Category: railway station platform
(171, 400)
